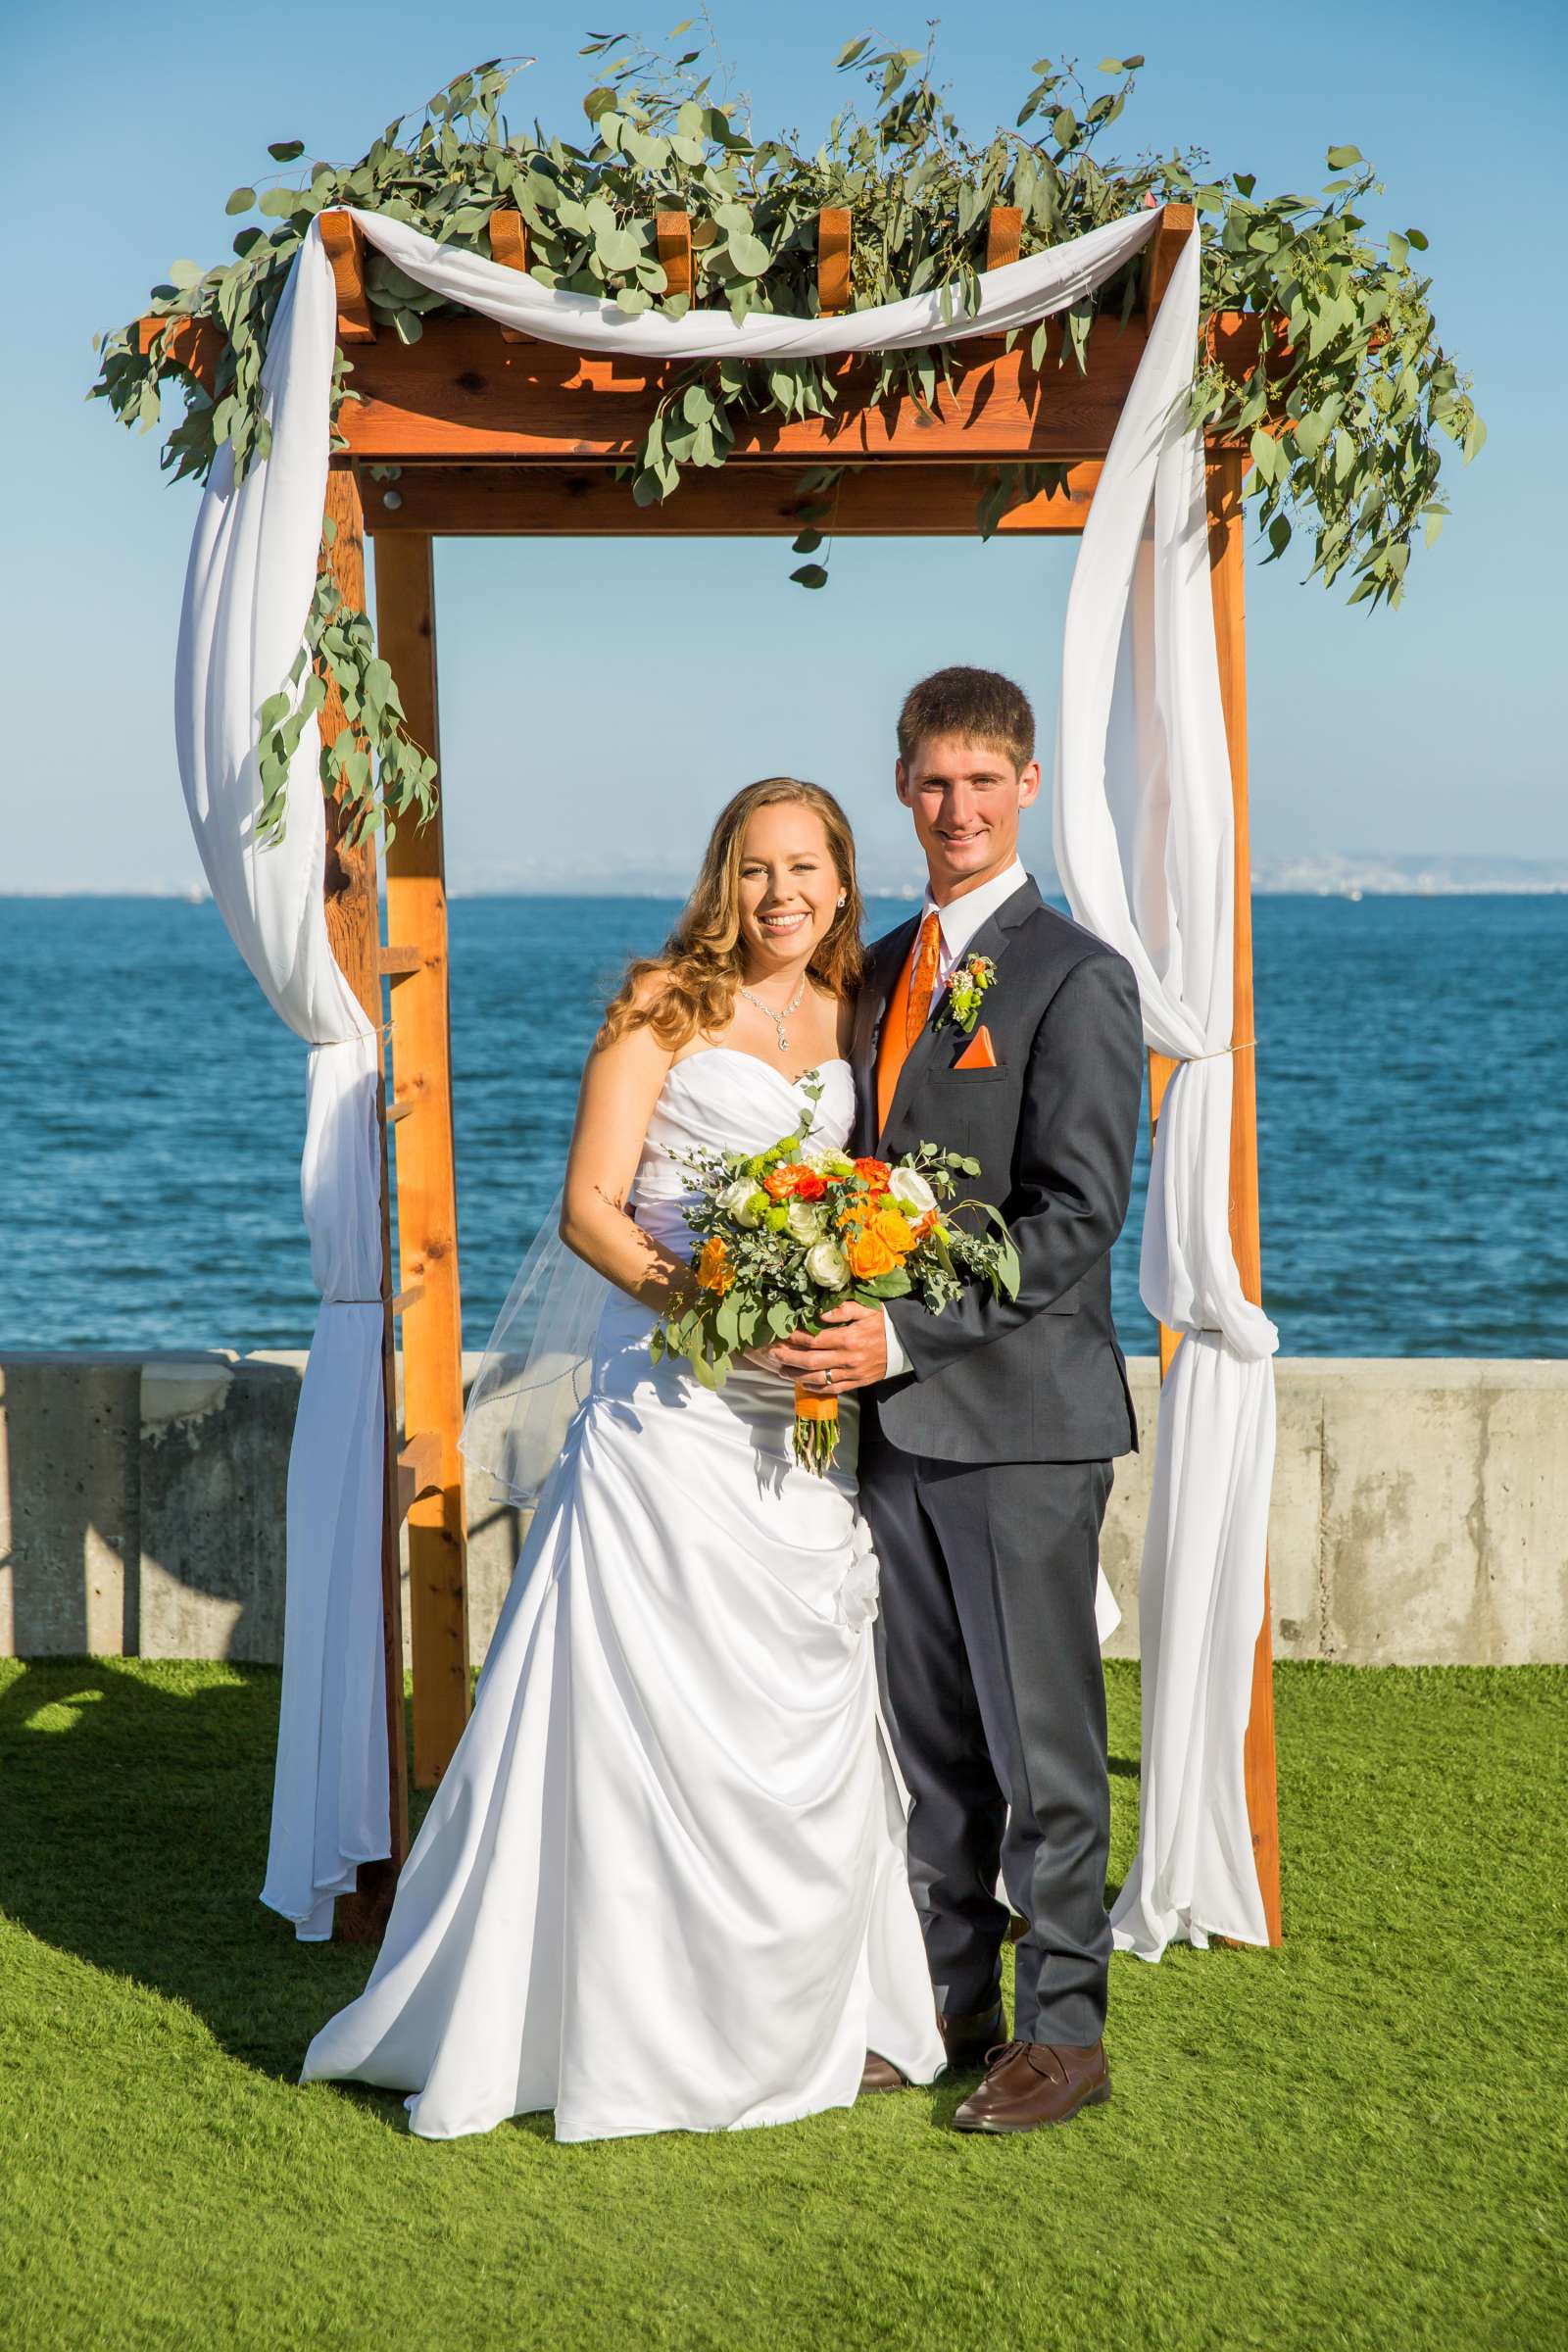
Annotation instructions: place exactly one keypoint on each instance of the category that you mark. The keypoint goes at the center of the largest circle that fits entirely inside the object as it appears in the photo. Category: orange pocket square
(979, 1054)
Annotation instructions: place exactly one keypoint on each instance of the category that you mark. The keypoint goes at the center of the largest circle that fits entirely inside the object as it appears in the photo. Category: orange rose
(895, 1231)
(714, 1269)
(920, 1231)
(780, 1182)
(868, 1255)
(875, 1171)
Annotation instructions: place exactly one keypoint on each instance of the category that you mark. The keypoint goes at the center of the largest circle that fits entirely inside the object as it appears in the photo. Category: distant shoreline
(194, 895)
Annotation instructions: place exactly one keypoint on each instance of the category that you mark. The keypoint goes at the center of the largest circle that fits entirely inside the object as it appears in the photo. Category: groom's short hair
(979, 706)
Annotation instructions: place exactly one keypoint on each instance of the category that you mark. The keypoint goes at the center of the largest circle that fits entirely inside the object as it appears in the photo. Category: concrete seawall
(1420, 1509)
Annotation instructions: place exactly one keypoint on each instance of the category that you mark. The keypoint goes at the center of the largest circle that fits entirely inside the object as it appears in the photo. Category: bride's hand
(763, 1359)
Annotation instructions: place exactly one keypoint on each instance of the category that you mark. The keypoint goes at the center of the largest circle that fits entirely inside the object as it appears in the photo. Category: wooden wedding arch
(494, 434)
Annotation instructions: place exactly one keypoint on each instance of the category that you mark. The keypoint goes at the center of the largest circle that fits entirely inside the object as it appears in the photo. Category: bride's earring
(844, 898)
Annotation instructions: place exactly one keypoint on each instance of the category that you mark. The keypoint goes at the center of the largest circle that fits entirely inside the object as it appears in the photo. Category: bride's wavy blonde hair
(703, 959)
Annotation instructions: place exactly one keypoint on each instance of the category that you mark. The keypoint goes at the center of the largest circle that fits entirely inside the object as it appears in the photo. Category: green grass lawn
(1358, 2140)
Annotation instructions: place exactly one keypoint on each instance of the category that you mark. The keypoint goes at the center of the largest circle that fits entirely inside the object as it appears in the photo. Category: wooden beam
(442, 398)
(834, 229)
(1225, 539)
(344, 247)
(354, 929)
(1177, 222)
(419, 1470)
(673, 234)
(508, 245)
(194, 344)
(446, 399)
(1004, 236)
(749, 502)
(427, 1207)
(457, 396)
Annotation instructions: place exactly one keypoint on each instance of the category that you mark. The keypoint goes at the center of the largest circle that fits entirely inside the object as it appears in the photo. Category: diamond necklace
(778, 1019)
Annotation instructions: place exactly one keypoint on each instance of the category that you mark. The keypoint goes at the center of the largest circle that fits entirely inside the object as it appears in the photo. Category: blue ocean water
(1414, 1120)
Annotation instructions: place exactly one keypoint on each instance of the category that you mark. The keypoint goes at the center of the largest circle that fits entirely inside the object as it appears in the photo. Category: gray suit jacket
(1039, 1378)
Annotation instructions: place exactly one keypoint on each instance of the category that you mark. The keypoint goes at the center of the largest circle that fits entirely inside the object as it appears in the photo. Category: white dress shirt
(957, 923)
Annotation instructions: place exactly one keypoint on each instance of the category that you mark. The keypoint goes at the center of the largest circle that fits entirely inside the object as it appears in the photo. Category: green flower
(966, 989)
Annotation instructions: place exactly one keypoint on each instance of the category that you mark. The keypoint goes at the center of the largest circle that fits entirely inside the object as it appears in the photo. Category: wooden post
(353, 925)
(508, 245)
(673, 232)
(1228, 581)
(835, 225)
(427, 1206)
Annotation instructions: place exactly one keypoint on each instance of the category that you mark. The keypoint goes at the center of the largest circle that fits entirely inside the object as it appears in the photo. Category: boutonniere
(966, 986)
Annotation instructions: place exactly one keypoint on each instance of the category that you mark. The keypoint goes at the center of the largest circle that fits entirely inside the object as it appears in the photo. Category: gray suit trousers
(994, 1698)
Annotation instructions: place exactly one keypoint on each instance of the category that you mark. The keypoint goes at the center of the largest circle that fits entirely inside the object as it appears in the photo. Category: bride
(663, 1884)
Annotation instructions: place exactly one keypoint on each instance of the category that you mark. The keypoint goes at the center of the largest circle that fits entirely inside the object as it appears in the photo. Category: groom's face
(966, 799)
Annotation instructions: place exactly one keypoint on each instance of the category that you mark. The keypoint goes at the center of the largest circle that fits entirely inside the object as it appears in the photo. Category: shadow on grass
(134, 1826)
(134, 1808)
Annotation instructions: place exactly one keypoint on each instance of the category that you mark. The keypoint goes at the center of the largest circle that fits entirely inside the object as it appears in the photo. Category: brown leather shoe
(1033, 2082)
(968, 2040)
(881, 2075)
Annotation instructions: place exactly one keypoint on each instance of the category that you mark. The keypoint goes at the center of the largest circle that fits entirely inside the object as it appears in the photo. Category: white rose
(805, 1222)
(912, 1194)
(736, 1202)
(827, 1266)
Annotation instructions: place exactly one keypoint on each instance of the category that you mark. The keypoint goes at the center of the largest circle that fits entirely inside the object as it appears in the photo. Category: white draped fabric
(1137, 735)
(240, 632)
(1144, 848)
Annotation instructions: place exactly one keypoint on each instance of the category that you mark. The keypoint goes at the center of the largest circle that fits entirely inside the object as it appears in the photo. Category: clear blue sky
(1434, 729)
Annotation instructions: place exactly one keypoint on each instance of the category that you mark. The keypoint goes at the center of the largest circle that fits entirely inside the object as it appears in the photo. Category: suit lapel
(993, 940)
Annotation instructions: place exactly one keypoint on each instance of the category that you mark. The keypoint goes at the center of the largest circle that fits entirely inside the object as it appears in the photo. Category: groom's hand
(850, 1352)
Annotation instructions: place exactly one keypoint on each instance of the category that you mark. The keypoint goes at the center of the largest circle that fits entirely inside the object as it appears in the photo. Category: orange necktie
(908, 1011)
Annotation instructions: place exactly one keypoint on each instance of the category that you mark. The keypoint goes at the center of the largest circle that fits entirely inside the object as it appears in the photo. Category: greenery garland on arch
(1368, 391)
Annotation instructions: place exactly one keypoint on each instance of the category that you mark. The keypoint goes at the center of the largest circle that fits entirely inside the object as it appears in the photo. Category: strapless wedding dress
(662, 1884)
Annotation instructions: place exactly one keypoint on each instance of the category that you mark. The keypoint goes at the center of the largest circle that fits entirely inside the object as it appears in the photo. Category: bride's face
(789, 886)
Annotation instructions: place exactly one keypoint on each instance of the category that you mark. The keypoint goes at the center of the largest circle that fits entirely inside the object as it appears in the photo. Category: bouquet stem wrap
(816, 1430)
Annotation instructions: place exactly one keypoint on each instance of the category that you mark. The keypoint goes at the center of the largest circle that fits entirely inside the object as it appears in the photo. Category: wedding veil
(537, 1367)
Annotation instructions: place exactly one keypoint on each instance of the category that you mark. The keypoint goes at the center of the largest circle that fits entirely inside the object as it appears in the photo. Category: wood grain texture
(427, 1207)
(353, 925)
(457, 395)
(194, 344)
(1004, 236)
(452, 397)
(508, 245)
(1225, 557)
(835, 226)
(1177, 222)
(579, 501)
(344, 246)
(673, 233)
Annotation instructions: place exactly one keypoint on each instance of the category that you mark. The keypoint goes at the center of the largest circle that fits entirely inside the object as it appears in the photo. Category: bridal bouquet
(792, 1231)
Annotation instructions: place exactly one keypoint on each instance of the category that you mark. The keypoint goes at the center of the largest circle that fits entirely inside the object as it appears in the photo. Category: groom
(988, 1430)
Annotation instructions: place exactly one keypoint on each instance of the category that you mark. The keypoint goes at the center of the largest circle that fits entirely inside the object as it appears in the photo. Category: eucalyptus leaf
(749, 255)
(1345, 435)
(617, 249)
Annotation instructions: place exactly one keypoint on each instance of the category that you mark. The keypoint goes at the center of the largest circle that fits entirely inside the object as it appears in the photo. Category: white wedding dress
(662, 1885)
